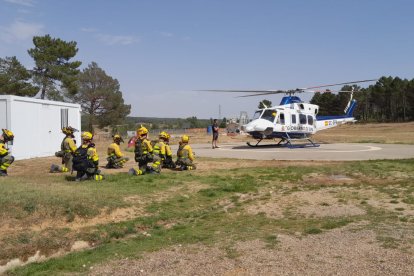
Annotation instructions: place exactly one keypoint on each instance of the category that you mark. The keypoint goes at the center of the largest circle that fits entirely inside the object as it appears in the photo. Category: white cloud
(26, 3)
(117, 39)
(20, 31)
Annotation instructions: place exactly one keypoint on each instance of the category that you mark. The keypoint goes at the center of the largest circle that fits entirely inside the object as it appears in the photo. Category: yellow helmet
(185, 138)
(87, 135)
(68, 130)
(7, 135)
(142, 131)
(164, 135)
(118, 137)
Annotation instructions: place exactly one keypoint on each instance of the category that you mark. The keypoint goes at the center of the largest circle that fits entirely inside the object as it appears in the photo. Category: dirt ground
(338, 252)
(343, 251)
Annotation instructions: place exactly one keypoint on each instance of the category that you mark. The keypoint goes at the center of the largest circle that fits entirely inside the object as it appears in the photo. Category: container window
(64, 117)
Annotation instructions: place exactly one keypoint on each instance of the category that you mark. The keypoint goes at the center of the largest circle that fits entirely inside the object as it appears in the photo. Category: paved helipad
(337, 152)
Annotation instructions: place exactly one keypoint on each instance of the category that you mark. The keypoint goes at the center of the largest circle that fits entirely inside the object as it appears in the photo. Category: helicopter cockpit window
(269, 114)
(310, 120)
(257, 114)
(302, 119)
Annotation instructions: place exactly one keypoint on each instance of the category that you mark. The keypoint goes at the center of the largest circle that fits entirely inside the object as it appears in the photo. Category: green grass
(176, 214)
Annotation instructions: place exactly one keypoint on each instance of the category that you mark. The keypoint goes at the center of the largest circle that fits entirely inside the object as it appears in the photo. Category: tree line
(56, 76)
(390, 99)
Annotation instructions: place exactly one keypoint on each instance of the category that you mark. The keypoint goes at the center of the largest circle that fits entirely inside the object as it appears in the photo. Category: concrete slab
(328, 152)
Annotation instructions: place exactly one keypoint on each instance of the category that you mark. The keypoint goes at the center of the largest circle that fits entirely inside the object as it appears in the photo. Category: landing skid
(286, 142)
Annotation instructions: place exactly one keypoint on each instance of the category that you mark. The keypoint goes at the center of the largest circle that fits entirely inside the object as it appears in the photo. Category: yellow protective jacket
(159, 148)
(185, 152)
(68, 145)
(3, 149)
(114, 149)
(168, 151)
(146, 146)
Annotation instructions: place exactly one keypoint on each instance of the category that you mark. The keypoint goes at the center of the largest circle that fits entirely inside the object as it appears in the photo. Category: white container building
(37, 124)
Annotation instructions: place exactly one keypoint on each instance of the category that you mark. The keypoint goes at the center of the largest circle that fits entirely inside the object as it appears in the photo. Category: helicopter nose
(258, 125)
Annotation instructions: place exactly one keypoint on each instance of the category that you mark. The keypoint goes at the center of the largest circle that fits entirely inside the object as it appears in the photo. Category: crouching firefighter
(185, 155)
(5, 158)
(86, 160)
(159, 152)
(67, 149)
(116, 159)
(168, 162)
(143, 153)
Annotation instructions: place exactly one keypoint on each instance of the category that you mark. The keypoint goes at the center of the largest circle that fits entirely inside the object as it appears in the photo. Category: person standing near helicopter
(215, 128)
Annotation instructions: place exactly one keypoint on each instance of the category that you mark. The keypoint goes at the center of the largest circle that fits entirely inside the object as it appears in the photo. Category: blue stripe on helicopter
(323, 118)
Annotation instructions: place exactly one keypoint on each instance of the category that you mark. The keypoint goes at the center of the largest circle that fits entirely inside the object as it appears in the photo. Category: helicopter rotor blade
(343, 83)
(287, 92)
(245, 91)
(260, 94)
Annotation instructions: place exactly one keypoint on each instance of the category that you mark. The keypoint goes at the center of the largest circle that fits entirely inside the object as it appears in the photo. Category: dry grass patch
(310, 204)
(395, 133)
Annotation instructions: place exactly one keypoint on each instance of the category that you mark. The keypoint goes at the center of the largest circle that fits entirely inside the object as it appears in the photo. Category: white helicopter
(293, 119)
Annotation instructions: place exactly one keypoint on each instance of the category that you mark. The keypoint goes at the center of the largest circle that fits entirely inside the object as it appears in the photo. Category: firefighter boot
(133, 171)
(54, 168)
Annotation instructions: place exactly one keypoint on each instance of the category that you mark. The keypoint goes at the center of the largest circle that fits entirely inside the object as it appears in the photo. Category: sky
(162, 51)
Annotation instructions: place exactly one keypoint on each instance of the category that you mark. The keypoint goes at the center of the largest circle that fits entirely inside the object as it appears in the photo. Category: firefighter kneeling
(67, 149)
(143, 153)
(116, 159)
(185, 155)
(5, 158)
(86, 160)
(168, 162)
(159, 151)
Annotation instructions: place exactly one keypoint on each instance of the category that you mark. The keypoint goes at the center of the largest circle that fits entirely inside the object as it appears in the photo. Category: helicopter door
(281, 119)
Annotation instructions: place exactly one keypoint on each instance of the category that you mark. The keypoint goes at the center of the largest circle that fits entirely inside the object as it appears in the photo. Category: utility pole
(219, 117)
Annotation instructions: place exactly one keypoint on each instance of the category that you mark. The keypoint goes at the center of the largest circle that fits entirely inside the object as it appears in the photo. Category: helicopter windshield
(269, 114)
(257, 114)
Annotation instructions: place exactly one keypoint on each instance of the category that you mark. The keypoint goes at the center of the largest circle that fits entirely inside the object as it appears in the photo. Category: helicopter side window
(302, 119)
(310, 120)
(257, 114)
(269, 114)
(281, 119)
(293, 118)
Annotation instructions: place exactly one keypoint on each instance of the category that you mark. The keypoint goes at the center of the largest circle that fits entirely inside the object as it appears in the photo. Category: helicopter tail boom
(349, 110)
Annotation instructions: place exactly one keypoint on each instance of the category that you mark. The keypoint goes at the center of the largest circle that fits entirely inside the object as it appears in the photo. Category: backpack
(138, 150)
(80, 158)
